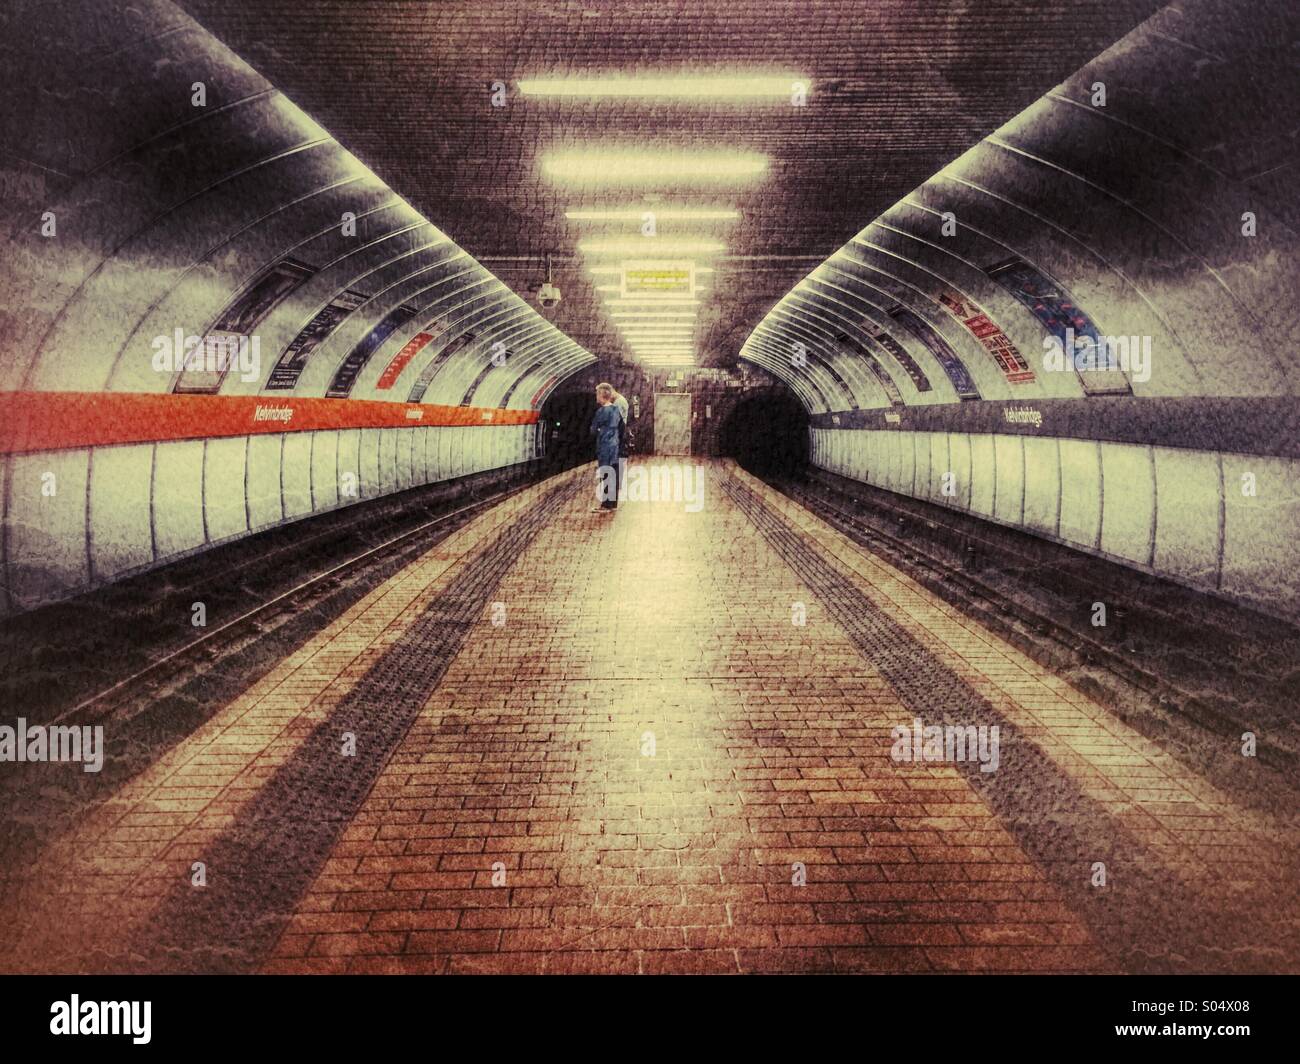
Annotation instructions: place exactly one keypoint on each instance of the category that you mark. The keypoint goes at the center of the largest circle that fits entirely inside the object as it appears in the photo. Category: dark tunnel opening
(767, 435)
(566, 417)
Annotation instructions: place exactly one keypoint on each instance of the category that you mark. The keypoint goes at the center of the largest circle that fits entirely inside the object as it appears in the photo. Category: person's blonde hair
(605, 390)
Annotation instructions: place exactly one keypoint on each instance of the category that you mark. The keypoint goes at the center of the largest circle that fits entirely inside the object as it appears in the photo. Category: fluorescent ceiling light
(605, 269)
(652, 302)
(623, 323)
(648, 245)
(672, 349)
(609, 288)
(703, 88)
(661, 214)
(648, 314)
(597, 165)
(634, 323)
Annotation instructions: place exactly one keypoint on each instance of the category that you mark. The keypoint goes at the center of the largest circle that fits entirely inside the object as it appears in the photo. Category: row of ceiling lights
(658, 327)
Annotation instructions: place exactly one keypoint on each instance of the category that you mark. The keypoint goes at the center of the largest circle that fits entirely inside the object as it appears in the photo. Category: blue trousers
(607, 476)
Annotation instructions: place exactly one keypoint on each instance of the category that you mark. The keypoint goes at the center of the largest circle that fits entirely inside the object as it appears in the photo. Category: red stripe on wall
(55, 421)
(394, 369)
(538, 394)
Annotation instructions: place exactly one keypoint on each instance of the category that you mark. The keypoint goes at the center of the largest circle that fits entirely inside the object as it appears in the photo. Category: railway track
(175, 664)
(1112, 668)
(160, 701)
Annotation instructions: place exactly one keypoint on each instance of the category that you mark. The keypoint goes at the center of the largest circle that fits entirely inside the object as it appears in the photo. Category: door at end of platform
(672, 425)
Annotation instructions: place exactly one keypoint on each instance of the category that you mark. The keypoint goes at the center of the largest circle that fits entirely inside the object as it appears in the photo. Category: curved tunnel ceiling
(897, 88)
(1149, 196)
(188, 193)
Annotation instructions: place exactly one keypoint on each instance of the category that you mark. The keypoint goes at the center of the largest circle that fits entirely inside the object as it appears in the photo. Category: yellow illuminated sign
(658, 277)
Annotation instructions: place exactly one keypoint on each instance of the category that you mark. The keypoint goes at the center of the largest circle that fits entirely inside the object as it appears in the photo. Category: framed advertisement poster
(939, 348)
(990, 336)
(488, 367)
(410, 349)
(899, 353)
(347, 374)
(293, 361)
(237, 325)
(886, 382)
(437, 362)
(1063, 319)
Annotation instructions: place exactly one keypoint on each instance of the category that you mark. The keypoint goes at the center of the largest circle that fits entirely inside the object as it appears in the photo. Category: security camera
(548, 295)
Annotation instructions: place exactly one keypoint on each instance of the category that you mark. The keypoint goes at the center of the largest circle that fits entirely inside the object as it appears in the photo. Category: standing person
(624, 436)
(605, 427)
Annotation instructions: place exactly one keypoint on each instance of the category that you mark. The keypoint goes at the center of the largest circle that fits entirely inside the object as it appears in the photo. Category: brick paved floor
(639, 762)
(87, 903)
(771, 745)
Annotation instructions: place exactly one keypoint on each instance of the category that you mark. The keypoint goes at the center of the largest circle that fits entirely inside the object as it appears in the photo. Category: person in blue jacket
(605, 427)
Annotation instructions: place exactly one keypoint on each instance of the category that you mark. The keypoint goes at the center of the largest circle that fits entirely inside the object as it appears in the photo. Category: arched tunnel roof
(189, 194)
(414, 96)
(1070, 216)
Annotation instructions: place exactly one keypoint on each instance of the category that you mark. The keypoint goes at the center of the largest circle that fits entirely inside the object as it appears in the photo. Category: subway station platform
(687, 736)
